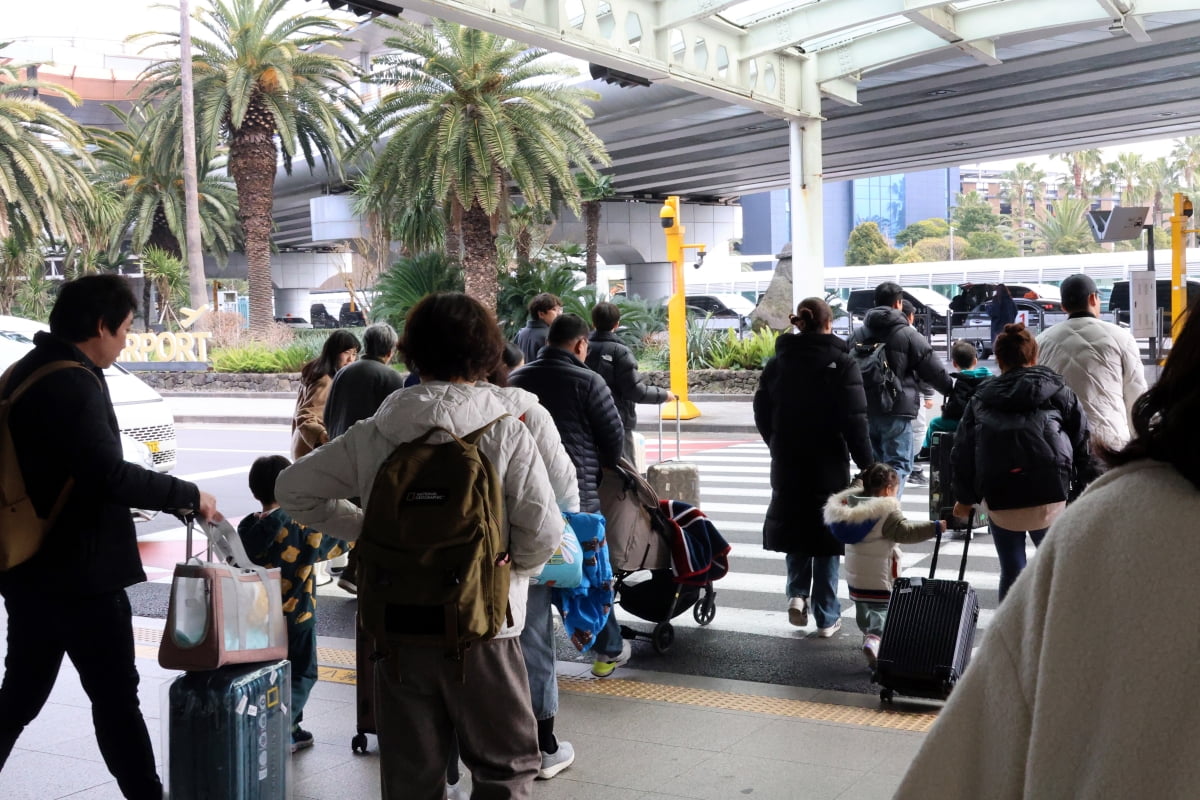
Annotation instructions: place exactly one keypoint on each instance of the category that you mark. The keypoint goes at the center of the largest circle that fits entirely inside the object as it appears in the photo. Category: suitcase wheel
(359, 743)
(886, 695)
(663, 636)
(705, 609)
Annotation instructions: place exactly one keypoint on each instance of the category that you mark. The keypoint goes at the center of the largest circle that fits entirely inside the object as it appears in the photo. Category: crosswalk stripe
(758, 583)
(771, 623)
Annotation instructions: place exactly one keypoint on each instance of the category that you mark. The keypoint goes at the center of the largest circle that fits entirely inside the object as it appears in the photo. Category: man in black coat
(359, 387)
(69, 598)
(913, 361)
(543, 310)
(612, 360)
(356, 393)
(590, 426)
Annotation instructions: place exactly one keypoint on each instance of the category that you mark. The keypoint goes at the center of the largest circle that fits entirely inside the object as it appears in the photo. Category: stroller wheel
(705, 609)
(663, 636)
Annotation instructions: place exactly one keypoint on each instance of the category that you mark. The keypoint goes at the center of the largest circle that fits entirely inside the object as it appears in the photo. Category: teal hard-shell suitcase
(229, 733)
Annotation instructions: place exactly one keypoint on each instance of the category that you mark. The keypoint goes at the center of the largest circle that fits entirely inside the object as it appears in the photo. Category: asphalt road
(748, 640)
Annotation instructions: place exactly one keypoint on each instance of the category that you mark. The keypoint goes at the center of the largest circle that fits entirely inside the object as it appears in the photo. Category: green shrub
(250, 358)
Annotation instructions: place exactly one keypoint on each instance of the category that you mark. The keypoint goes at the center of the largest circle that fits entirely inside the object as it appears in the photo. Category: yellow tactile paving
(337, 668)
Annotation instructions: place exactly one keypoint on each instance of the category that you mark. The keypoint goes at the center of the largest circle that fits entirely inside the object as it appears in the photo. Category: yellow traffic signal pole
(680, 407)
(1179, 299)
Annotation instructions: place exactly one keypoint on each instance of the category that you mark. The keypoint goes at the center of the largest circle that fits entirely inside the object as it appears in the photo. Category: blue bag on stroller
(585, 609)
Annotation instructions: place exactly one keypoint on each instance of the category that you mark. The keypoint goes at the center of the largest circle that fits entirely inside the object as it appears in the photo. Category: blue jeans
(1010, 547)
(302, 652)
(892, 443)
(608, 641)
(537, 646)
(821, 574)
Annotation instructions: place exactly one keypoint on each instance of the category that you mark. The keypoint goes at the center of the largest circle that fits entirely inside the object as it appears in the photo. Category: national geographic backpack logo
(426, 497)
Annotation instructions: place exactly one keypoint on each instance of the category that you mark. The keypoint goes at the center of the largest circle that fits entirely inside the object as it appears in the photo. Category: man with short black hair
(913, 362)
(1098, 360)
(543, 310)
(69, 598)
(614, 362)
(592, 434)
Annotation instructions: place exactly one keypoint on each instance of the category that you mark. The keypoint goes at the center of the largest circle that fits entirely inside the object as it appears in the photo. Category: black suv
(863, 300)
(1118, 301)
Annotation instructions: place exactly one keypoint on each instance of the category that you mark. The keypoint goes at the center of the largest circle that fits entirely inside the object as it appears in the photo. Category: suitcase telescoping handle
(937, 545)
(678, 417)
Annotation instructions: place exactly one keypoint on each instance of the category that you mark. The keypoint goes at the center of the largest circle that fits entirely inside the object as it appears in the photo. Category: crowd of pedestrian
(543, 417)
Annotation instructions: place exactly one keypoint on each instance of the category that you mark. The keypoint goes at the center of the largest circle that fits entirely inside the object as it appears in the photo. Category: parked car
(719, 310)
(142, 414)
(1118, 300)
(352, 318)
(929, 305)
(972, 294)
(294, 322)
(976, 326)
(320, 317)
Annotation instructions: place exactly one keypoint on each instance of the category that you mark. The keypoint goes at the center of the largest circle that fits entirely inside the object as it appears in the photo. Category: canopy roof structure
(898, 85)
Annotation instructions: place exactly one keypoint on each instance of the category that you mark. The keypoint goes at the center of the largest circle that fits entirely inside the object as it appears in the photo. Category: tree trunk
(162, 238)
(591, 217)
(479, 257)
(252, 163)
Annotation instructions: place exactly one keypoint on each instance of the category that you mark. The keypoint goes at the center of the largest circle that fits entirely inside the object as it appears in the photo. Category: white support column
(807, 212)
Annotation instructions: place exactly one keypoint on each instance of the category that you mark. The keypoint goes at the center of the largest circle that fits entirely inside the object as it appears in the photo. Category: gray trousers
(422, 701)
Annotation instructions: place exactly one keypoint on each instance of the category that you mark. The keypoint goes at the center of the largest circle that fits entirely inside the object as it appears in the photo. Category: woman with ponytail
(811, 411)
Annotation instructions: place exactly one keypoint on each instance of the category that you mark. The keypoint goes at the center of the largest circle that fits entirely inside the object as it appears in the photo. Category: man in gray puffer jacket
(608, 356)
(913, 361)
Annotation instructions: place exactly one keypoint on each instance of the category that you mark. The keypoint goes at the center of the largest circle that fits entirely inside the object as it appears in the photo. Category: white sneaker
(556, 762)
(826, 633)
(871, 649)
(798, 611)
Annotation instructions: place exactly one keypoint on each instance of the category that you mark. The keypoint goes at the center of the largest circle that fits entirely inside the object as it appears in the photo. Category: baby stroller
(681, 550)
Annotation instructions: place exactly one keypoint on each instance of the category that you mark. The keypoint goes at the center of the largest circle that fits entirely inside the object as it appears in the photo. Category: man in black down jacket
(70, 597)
(590, 426)
(608, 356)
(543, 310)
(913, 361)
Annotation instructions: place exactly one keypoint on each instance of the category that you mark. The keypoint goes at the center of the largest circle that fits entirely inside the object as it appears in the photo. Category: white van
(142, 414)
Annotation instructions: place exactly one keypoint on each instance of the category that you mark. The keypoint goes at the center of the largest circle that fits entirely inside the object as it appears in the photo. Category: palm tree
(469, 112)
(1023, 185)
(1083, 165)
(1186, 154)
(1065, 230)
(42, 158)
(1126, 173)
(261, 87)
(166, 272)
(17, 257)
(149, 180)
(1160, 179)
(592, 192)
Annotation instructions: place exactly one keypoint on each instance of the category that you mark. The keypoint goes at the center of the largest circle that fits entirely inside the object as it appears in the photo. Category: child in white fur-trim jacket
(868, 520)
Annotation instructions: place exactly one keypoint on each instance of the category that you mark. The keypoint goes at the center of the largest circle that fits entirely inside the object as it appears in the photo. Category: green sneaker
(603, 667)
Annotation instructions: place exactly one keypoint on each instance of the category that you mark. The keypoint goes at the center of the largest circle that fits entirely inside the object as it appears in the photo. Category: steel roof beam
(820, 20)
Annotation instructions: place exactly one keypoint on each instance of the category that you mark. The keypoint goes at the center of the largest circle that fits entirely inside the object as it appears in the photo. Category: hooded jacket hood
(1022, 389)
(881, 321)
(851, 516)
(459, 408)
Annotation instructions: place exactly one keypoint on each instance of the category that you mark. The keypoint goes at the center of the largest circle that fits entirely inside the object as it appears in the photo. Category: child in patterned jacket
(868, 520)
(273, 539)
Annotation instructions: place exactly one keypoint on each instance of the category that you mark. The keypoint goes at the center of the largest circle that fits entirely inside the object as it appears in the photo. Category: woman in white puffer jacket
(422, 697)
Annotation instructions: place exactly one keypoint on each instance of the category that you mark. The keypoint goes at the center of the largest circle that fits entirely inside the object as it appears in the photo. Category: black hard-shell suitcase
(928, 635)
(230, 733)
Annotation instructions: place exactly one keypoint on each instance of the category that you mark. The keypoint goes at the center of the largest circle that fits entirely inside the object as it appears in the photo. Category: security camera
(699, 259)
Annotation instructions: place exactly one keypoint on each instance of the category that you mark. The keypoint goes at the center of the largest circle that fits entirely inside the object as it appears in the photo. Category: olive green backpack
(432, 566)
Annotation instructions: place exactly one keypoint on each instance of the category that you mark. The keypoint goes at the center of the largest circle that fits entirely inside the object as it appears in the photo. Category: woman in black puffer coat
(812, 413)
(1022, 447)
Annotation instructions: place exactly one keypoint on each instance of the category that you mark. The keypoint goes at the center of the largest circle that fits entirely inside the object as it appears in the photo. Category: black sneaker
(917, 478)
(301, 739)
